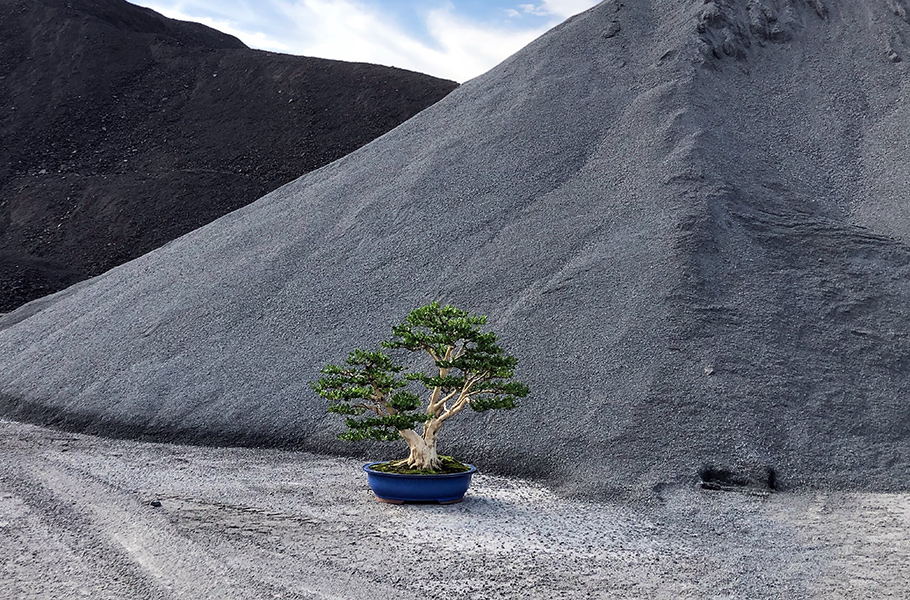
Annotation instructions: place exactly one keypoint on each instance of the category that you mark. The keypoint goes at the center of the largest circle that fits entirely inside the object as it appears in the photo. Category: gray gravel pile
(688, 220)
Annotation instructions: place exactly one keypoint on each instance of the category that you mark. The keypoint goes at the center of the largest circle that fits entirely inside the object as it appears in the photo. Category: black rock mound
(689, 221)
(123, 130)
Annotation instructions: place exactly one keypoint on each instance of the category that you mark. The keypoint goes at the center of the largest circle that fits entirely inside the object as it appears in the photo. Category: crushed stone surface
(83, 516)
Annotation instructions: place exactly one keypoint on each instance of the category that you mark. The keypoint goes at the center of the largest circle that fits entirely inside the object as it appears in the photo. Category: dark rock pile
(123, 130)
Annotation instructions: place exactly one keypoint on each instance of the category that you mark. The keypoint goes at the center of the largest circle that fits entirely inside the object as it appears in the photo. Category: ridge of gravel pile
(688, 220)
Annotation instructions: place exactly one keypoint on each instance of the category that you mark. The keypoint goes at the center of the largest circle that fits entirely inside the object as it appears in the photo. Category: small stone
(709, 370)
(894, 57)
(612, 29)
(155, 503)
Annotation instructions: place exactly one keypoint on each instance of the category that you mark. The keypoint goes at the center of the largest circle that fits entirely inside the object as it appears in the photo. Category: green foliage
(366, 375)
(369, 383)
(462, 353)
(471, 369)
(434, 328)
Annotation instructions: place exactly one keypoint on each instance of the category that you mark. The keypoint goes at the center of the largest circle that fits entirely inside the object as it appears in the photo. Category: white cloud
(458, 48)
(184, 11)
(558, 8)
(533, 9)
(450, 44)
(472, 47)
(346, 30)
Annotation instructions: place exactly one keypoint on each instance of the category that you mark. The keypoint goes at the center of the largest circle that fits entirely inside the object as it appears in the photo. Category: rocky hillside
(123, 130)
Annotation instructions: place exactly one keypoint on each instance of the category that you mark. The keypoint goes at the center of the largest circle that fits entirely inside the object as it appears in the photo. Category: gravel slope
(76, 520)
(683, 218)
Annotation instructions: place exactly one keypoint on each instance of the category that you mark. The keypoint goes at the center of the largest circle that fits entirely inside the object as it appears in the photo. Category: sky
(452, 39)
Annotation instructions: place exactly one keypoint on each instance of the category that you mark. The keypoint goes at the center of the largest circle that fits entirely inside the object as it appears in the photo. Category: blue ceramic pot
(396, 488)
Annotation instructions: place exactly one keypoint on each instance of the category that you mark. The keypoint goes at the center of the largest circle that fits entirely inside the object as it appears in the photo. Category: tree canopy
(468, 368)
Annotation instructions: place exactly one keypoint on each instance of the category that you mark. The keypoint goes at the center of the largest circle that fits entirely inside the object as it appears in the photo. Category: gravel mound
(123, 130)
(688, 220)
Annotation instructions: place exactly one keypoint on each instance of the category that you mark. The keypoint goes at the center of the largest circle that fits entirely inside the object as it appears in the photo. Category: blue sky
(454, 39)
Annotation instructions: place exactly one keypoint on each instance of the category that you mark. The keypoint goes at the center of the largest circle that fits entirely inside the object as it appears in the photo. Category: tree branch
(380, 399)
(442, 403)
(431, 352)
(465, 395)
(456, 408)
(464, 398)
(434, 402)
(376, 408)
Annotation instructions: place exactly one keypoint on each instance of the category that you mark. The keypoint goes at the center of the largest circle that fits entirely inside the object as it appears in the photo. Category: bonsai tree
(467, 368)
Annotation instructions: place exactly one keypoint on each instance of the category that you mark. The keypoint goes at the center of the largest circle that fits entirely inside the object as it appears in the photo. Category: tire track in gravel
(130, 551)
(71, 527)
(75, 520)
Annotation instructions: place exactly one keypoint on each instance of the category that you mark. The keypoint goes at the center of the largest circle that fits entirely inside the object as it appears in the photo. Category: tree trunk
(423, 448)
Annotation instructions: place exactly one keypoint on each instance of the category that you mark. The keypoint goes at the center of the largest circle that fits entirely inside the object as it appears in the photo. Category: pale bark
(423, 449)
(423, 446)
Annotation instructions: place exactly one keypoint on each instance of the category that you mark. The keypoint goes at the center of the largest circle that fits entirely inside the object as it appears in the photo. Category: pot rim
(370, 471)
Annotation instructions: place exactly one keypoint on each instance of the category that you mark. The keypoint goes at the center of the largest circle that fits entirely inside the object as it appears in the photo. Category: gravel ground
(79, 518)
